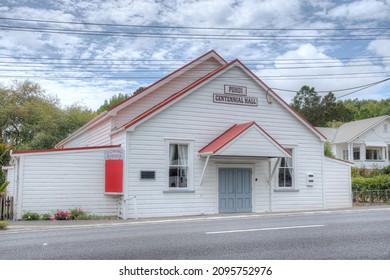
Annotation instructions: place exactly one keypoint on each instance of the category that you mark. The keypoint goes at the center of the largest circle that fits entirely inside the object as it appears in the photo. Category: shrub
(30, 216)
(371, 183)
(46, 217)
(3, 225)
(62, 215)
(78, 214)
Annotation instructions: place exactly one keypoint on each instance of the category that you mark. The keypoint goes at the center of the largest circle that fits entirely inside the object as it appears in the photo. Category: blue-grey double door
(235, 190)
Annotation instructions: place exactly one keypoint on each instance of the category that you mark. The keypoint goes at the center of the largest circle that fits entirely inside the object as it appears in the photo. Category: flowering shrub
(78, 214)
(62, 215)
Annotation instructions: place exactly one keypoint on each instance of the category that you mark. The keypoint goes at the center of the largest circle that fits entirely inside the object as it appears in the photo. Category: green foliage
(328, 150)
(78, 214)
(3, 225)
(320, 110)
(327, 111)
(30, 119)
(381, 182)
(370, 179)
(115, 100)
(30, 216)
(4, 160)
(3, 186)
(45, 217)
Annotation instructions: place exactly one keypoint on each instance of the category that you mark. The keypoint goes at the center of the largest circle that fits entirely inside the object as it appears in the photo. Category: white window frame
(379, 152)
(190, 165)
(293, 173)
(353, 152)
(345, 154)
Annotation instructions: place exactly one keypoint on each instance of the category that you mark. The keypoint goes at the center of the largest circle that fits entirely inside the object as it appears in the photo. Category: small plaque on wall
(148, 174)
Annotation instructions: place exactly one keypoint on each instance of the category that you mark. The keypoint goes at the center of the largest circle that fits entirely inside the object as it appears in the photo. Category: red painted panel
(114, 176)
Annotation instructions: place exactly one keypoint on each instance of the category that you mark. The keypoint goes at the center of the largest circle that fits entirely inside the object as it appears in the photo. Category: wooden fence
(6, 207)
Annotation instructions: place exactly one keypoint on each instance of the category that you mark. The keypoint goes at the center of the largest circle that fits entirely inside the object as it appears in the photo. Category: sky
(86, 51)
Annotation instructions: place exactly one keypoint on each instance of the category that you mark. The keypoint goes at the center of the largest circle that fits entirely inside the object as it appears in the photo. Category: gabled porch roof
(247, 140)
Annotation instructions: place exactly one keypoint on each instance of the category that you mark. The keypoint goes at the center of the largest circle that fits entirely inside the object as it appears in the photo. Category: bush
(45, 217)
(3, 225)
(371, 183)
(30, 216)
(62, 215)
(78, 214)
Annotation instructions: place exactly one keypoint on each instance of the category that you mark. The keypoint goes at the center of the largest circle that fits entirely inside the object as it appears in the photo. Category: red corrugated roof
(226, 137)
(176, 95)
(204, 79)
(65, 149)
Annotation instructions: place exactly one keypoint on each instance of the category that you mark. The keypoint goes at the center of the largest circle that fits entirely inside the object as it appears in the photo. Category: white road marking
(262, 229)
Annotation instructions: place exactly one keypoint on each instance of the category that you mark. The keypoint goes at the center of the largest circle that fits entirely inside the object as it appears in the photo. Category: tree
(320, 111)
(115, 100)
(4, 160)
(307, 102)
(30, 119)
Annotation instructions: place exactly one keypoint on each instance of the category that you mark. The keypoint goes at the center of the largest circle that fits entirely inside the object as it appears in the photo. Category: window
(356, 153)
(178, 165)
(385, 128)
(345, 155)
(286, 171)
(374, 154)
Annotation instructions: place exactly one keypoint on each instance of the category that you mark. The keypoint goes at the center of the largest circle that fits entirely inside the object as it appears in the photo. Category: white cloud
(309, 65)
(362, 10)
(243, 14)
(380, 47)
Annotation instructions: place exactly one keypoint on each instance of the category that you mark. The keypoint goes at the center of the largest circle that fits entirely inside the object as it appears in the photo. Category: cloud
(362, 10)
(309, 65)
(266, 57)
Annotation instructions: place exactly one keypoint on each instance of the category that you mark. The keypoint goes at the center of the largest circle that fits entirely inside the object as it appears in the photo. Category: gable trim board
(206, 79)
(264, 146)
(133, 98)
(185, 138)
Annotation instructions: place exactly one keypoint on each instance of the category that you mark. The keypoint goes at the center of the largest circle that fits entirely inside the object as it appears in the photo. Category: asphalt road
(343, 234)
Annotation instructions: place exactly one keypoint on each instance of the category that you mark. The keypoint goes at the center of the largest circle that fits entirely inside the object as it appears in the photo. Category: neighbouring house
(365, 142)
(208, 138)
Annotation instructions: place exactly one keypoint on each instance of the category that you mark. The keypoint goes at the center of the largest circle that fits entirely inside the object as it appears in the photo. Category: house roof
(257, 142)
(235, 63)
(114, 110)
(16, 153)
(154, 109)
(351, 130)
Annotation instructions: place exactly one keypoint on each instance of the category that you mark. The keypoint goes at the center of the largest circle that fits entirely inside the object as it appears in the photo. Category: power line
(368, 86)
(339, 90)
(308, 60)
(193, 27)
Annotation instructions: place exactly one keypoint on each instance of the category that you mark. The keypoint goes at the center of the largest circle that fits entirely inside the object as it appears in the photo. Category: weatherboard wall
(338, 192)
(196, 119)
(64, 180)
(169, 87)
(99, 135)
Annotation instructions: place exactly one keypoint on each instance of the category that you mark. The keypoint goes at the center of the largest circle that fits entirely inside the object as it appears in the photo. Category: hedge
(371, 183)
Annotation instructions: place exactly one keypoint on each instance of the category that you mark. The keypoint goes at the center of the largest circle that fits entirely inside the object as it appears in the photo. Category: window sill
(178, 191)
(287, 190)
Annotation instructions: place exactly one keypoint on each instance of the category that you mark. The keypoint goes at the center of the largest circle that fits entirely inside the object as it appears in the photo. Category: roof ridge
(174, 96)
(169, 75)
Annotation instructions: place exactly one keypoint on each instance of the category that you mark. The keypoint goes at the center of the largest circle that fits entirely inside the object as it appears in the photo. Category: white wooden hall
(209, 138)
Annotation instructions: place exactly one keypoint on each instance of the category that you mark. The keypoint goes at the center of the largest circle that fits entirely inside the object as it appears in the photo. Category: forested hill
(327, 111)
